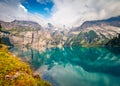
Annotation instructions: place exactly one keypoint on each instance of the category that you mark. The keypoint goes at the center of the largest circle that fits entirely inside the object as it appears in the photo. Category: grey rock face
(31, 34)
(94, 32)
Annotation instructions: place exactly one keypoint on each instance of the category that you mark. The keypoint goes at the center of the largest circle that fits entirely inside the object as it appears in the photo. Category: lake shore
(15, 72)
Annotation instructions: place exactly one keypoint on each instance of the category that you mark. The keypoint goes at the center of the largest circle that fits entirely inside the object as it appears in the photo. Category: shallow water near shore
(74, 66)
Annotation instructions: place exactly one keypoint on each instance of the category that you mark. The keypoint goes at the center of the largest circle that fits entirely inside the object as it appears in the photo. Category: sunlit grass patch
(14, 72)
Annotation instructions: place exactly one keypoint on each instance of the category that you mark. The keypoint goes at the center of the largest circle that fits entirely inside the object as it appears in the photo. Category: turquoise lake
(75, 66)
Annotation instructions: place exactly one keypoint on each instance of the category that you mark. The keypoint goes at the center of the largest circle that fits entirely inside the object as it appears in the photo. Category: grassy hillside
(14, 72)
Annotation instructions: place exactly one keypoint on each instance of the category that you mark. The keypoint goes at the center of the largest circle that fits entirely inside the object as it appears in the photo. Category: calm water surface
(75, 66)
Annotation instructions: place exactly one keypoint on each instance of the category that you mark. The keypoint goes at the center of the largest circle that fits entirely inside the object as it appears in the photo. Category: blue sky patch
(36, 7)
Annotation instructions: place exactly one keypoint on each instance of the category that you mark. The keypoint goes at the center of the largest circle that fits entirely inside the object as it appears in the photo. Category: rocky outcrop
(31, 34)
(115, 42)
(35, 39)
(94, 32)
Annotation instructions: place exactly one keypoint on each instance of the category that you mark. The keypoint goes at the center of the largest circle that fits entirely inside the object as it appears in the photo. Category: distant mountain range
(114, 21)
(22, 25)
(90, 33)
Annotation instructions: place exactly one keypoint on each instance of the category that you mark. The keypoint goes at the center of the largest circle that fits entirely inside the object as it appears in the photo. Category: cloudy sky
(58, 12)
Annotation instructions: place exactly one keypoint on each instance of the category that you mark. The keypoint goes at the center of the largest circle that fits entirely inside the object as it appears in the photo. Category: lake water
(75, 66)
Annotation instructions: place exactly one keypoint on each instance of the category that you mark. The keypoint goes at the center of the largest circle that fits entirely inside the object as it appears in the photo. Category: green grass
(14, 72)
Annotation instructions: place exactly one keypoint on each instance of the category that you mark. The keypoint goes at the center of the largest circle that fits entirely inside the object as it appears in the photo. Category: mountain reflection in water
(75, 66)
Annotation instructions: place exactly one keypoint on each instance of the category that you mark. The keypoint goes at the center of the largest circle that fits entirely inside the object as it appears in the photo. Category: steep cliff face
(31, 34)
(38, 39)
(94, 32)
(115, 42)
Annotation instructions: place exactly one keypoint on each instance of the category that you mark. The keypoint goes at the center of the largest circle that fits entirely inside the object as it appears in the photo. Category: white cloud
(11, 10)
(44, 1)
(47, 10)
(64, 12)
(74, 12)
(37, 18)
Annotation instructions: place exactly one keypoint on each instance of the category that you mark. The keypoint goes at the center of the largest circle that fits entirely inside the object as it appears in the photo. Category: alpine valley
(59, 42)
(87, 55)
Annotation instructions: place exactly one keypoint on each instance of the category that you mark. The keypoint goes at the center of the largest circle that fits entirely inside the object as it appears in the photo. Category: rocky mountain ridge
(31, 34)
(114, 21)
(94, 32)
